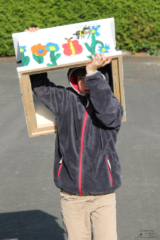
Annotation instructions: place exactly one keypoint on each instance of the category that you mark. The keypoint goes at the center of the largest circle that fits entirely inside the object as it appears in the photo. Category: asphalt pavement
(29, 200)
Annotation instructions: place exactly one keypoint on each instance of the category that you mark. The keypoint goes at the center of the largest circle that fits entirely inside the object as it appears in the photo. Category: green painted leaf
(89, 57)
(88, 47)
(49, 65)
(99, 42)
(54, 57)
(40, 59)
(26, 60)
(35, 57)
(58, 55)
(22, 58)
(53, 64)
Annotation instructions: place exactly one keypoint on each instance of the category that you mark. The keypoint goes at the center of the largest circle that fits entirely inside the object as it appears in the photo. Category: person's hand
(31, 29)
(98, 62)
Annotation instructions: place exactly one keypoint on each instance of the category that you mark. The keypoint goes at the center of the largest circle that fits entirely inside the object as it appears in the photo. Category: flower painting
(66, 44)
(39, 51)
(25, 59)
(53, 48)
(94, 30)
(104, 49)
(22, 49)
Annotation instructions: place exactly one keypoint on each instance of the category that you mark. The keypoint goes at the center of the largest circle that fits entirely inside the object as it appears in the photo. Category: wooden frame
(30, 103)
(118, 83)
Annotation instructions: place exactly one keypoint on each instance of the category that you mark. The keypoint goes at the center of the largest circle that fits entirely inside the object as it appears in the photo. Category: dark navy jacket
(86, 161)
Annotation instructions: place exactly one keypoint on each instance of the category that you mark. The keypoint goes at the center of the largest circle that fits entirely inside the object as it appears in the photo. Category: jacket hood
(72, 78)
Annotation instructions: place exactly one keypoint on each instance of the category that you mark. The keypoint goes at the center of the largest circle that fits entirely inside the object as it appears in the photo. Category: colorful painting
(53, 48)
(72, 47)
(24, 59)
(38, 52)
(65, 44)
(92, 48)
(81, 33)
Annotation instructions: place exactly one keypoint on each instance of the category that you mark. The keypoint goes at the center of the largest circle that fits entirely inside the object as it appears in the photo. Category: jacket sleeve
(52, 96)
(108, 109)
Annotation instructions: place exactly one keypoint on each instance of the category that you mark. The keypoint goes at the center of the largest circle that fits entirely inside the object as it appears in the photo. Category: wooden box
(40, 120)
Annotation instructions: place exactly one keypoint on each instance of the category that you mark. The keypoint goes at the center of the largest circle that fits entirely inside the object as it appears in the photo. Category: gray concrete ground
(29, 201)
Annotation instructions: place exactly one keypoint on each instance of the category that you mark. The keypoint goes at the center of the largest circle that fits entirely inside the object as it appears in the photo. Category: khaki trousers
(78, 212)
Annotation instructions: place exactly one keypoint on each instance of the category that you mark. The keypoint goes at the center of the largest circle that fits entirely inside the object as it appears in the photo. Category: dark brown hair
(80, 72)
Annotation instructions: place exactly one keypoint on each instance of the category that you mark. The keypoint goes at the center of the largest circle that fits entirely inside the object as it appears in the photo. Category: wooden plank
(118, 88)
(24, 102)
(115, 77)
(45, 131)
(28, 103)
(58, 67)
(121, 84)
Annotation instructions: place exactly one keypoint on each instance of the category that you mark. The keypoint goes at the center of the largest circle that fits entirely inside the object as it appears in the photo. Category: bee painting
(80, 33)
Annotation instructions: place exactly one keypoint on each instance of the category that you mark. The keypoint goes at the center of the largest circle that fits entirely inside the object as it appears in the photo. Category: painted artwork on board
(65, 44)
(72, 47)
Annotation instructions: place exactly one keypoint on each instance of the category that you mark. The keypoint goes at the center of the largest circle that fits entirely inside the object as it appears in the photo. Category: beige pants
(78, 212)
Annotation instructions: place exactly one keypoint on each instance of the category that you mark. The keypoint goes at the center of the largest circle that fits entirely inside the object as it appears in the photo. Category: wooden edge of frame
(115, 78)
(121, 84)
(42, 132)
(58, 67)
(28, 103)
(118, 88)
(27, 96)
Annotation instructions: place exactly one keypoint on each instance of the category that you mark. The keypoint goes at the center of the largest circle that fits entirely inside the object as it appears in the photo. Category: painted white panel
(64, 44)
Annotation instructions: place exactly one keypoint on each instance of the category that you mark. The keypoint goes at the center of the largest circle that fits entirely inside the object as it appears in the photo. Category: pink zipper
(59, 169)
(109, 170)
(81, 150)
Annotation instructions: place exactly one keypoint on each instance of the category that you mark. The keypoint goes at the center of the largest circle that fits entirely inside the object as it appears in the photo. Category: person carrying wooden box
(86, 165)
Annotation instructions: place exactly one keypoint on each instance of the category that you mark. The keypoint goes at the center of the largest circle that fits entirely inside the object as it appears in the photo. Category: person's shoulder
(71, 91)
(68, 90)
(73, 95)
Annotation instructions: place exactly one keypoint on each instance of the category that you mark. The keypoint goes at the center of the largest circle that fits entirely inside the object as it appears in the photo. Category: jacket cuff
(90, 74)
(94, 76)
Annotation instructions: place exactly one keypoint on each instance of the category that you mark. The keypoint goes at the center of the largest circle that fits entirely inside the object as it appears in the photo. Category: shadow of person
(29, 225)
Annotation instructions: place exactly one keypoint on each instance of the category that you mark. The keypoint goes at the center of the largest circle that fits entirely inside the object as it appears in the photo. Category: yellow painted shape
(103, 49)
(52, 48)
(81, 34)
(21, 50)
(93, 31)
(72, 48)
